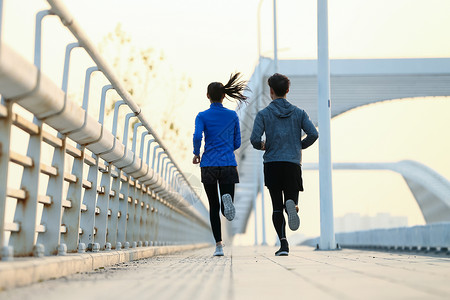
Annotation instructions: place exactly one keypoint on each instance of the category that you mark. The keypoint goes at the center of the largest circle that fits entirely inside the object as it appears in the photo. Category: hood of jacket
(281, 108)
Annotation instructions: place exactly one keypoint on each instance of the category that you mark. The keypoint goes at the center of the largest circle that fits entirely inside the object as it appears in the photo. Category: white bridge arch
(430, 189)
(354, 83)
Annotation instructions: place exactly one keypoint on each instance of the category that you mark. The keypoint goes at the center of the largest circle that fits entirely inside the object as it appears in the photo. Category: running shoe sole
(229, 211)
(293, 219)
(281, 253)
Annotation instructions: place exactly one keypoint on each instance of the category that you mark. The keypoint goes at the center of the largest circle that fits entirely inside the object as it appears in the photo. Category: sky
(206, 40)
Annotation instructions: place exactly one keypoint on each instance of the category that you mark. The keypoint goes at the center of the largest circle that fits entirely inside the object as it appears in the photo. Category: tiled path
(255, 273)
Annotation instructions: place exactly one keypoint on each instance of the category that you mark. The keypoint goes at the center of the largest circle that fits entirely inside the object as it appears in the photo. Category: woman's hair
(279, 83)
(232, 89)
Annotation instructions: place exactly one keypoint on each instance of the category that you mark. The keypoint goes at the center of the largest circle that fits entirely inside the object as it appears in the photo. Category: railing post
(148, 156)
(38, 37)
(89, 200)
(85, 105)
(131, 222)
(152, 217)
(154, 156)
(65, 80)
(5, 140)
(145, 217)
(125, 135)
(23, 240)
(103, 201)
(159, 161)
(141, 152)
(139, 211)
(162, 166)
(170, 174)
(133, 147)
(158, 211)
(72, 211)
(52, 212)
(123, 209)
(87, 221)
(114, 201)
(101, 114)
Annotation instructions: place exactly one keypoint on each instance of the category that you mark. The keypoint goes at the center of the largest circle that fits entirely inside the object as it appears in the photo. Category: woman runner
(220, 127)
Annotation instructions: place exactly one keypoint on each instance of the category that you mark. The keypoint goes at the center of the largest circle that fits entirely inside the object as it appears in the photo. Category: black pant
(213, 198)
(278, 205)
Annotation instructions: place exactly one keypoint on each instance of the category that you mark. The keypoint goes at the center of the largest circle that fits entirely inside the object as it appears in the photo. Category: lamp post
(259, 30)
(275, 43)
(260, 77)
(275, 39)
(327, 238)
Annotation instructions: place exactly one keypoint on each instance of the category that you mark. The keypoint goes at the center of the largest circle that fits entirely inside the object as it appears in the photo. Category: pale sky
(209, 39)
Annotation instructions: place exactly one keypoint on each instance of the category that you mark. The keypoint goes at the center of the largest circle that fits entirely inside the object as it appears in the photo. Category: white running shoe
(229, 211)
(293, 219)
(219, 250)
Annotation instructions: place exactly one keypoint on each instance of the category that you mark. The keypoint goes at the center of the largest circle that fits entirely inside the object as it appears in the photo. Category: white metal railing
(432, 237)
(99, 194)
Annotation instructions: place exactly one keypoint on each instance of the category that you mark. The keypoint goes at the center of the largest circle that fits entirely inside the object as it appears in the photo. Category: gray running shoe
(293, 219)
(219, 250)
(229, 211)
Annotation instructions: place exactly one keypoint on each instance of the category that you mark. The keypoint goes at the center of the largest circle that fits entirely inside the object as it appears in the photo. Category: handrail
(113, 196)
(67, 19)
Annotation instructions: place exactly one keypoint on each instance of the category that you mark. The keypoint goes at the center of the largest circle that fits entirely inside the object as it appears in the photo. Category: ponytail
(234, 88)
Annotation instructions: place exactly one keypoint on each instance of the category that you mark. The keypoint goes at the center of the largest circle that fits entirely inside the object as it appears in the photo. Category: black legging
(213, 199)
(278, 206)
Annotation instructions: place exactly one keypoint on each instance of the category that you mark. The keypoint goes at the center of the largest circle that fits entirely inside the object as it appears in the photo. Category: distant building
(355, 222)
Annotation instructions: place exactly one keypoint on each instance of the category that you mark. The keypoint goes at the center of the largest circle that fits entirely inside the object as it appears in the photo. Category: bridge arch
(354, 83)
(430, 189)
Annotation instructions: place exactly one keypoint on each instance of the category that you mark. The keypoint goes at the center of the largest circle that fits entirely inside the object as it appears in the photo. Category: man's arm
(257, 132)
(310, 130)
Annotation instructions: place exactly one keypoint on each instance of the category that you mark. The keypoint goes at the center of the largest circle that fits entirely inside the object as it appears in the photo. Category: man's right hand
(263, 145)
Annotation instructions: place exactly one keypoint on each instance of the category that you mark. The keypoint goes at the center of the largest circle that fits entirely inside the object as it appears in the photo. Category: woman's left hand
(196, 159)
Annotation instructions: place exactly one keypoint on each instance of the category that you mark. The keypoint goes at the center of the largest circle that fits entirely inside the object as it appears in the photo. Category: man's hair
(279, 83)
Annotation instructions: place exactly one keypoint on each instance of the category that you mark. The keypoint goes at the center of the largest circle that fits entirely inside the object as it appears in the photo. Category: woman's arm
(198, 134)
(237, 134)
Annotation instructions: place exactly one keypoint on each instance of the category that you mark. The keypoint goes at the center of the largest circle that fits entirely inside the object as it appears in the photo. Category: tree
(152, 83)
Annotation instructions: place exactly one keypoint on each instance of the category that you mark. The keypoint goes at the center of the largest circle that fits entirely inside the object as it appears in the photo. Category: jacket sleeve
(257, 132)
(310, 130)
(198, 134)
(237, 134)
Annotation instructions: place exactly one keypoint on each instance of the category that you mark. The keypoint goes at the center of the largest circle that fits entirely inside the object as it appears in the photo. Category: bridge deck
(255, 273)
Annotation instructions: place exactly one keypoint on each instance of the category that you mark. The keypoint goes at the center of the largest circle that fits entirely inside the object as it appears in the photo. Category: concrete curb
(24, 271)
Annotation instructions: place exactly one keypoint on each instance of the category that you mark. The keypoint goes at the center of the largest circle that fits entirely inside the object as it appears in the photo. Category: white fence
(432, 237)
(94, 193)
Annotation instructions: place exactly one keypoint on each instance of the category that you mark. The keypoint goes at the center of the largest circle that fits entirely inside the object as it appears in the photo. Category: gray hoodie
(283, 124)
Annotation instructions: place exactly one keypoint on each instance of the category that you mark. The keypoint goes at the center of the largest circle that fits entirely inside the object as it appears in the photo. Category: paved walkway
(255, 273)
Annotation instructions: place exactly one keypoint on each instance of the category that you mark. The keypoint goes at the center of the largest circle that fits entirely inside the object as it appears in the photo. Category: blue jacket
(222, 136)
(283, 124)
